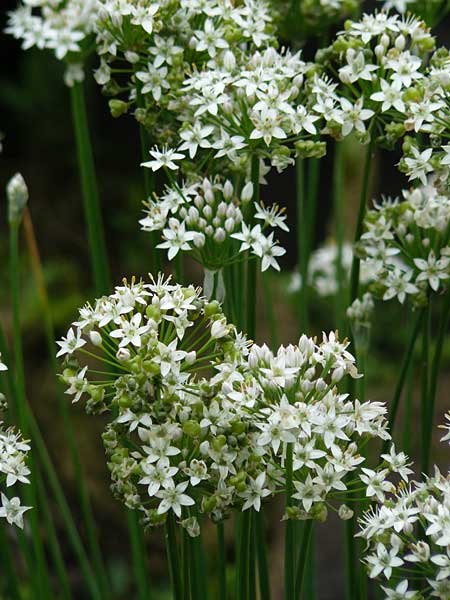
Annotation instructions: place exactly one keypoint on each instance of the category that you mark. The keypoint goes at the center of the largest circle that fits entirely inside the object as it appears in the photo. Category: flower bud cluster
(206, 218)
(408, 540)
(198, 419)
(406, 245)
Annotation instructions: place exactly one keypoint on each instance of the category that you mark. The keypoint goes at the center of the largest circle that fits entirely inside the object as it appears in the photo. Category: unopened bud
(17, 193)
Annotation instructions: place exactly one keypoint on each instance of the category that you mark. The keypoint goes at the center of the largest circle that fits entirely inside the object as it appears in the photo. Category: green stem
(54, 544)
(11, 587)
(302, 559)
(149, 187)
(96, 237)
(354, 277)
(222, 575)
(20, 407)
(407, 359)
(289, 555)
(434, 377)
(425, 382)
(138, 554)
(268, 301)
(302, 243)
(252, 264)
(85, 504)
(172, 555)
(244, 557)
(186, 567)
(338, 196)
(351, 551)
(261, 550)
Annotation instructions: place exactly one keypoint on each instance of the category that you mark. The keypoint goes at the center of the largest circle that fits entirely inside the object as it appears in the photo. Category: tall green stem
(138, 555)
(302, 560)
(261, 551)
(407, 359)
(354, 277)
(222, 575)
(338, 197)
(302, 243)
(425, 387)
(251, 264)
(85, 504)
(30, 492)
(54, 484)
(96, 237)
(173, 558)
(149, 186)
(434, 377)
(289, 553)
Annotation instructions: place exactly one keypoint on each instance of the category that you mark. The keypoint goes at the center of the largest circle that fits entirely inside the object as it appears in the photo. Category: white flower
(390, 95)
(12, 510)
(433, 270)
(3, 367)
(255, 492)
(163, 158)
(72, 342)
(177, 238)
(401, 591)
(173, 498)
(384, 561)
(419, 164)
(130, 332)
(354, 116)
(308, 493)
(268, 251)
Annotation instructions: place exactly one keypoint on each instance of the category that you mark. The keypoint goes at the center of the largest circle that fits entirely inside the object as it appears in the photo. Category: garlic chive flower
(408, 539)
(13, 471)
(61, 26)
(198, 416)
(406, 245)
(374, 72)
(207, 219)
(147, 49)
(3, 367)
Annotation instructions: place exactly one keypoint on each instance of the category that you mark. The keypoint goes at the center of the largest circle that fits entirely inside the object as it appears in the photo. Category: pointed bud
(17, 193)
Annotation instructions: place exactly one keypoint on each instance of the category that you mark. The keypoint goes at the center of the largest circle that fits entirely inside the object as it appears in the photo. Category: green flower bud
(212, 308)
(310, 149)
(17, 193)
(191, 428)
(118, 107)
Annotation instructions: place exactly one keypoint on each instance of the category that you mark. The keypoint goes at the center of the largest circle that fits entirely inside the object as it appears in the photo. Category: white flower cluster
(59, 25)
(13, 469)
(199, 419)
(378, 59)
(147, 48)
(253, 104)
(207, 219)
(323, 270)
(406, 245)
(408, 541)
